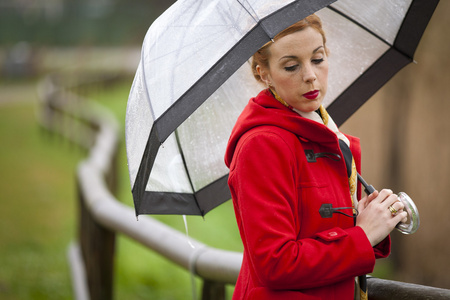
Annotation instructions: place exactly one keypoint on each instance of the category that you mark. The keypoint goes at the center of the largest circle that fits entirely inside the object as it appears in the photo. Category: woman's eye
(317, 61)
(291, 68)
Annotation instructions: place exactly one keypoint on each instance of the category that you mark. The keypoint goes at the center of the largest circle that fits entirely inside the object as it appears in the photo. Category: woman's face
(298, 69)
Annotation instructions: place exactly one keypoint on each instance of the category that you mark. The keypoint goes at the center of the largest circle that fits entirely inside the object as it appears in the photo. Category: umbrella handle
(412, 223)
(369, 189)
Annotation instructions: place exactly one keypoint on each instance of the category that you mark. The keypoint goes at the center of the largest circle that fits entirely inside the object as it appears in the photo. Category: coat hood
(263, 110)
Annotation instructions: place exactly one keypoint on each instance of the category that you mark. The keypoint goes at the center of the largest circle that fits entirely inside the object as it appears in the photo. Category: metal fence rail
(102, 216)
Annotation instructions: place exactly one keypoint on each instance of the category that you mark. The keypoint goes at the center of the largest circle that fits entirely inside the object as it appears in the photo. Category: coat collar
(265, 110)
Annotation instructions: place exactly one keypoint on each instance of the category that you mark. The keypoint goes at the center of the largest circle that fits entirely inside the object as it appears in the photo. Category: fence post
(97, 247)
(213, 290)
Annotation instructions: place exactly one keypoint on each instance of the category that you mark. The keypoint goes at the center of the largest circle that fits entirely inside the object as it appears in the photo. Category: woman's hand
(376, 219)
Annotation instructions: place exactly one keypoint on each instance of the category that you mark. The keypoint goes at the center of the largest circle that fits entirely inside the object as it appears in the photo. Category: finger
(366, 200)
(362, 203)
(384, 194)
(398, 205)
(391, 200)
(400, 217)
(405, 219)
(381, 197)
(372, 196)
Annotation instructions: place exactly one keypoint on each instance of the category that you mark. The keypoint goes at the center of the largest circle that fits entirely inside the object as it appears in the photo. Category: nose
(309, 75)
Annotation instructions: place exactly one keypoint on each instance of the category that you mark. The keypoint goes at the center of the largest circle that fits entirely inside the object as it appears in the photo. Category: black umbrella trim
(397, 57)
(207, 85)
(148, 159)
(414, 25)
(168, 203)
(366, 85)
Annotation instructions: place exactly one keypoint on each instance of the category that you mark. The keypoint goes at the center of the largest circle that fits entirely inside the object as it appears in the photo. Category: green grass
(37, 214)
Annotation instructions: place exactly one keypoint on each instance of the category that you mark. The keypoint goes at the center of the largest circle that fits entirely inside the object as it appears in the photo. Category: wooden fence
(102, 216)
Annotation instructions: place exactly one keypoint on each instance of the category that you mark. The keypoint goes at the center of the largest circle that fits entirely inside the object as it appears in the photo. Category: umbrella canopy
(194, 79)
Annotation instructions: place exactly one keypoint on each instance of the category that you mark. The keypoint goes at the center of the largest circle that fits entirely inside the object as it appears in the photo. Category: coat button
(332, 233)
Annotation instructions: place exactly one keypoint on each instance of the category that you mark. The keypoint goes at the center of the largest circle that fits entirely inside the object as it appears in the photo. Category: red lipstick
(311, 95)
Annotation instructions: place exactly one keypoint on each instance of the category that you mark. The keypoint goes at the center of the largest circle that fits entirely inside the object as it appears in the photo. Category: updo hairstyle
(261, 57)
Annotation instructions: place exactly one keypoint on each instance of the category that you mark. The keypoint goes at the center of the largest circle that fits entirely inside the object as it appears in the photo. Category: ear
(264, 75)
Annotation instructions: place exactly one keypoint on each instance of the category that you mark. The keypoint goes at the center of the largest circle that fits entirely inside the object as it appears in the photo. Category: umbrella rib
(186, 168)
(358, 24)
(255, 17)
(144, 79)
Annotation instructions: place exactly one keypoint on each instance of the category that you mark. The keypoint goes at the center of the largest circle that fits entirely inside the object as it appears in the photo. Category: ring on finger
(392, 210)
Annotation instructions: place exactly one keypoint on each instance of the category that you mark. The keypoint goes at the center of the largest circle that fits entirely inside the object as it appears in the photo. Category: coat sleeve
(383, 249)
(264, 190)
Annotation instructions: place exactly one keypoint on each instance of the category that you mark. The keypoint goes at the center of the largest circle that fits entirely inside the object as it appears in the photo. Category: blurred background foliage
(77, 22)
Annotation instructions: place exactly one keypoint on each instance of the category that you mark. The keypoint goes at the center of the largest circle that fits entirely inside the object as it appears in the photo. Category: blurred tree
(73, 22)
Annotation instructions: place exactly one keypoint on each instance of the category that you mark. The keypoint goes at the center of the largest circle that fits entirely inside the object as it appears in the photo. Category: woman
(285, 165)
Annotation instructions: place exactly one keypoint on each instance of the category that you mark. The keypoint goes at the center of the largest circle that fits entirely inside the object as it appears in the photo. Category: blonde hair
(261, 57)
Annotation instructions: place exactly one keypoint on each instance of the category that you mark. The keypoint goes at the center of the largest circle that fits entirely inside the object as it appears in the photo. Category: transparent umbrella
(194, 79)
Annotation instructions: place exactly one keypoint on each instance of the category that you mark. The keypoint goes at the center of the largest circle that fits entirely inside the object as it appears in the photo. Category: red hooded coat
(290, 251)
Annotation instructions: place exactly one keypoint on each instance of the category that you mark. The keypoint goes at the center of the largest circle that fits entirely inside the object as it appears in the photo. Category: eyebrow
(295, 57)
